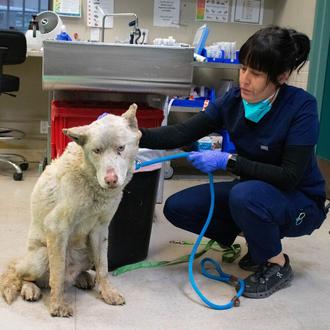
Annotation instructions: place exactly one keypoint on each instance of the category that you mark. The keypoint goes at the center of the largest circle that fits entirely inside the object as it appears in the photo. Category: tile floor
(163, 298)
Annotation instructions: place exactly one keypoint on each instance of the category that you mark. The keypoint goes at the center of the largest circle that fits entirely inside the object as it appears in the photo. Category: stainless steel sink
(117, 67)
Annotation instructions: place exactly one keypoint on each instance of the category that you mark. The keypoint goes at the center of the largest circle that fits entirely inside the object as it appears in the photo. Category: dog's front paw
(62, 310)
(112, 297)
(30, 292)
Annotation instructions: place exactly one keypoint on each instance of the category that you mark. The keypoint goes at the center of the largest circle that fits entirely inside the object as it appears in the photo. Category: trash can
(130, 228)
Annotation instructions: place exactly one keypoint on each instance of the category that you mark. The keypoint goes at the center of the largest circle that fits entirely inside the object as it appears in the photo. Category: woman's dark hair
(275, 50)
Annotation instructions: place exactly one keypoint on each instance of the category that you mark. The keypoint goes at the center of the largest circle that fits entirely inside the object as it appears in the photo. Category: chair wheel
(24, 166)
(169, 172)
(18, 176)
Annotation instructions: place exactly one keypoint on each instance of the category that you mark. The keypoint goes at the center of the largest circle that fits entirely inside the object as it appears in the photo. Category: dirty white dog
(72, 205)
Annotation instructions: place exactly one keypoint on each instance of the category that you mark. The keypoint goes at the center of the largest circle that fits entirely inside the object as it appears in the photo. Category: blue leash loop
(222, 276)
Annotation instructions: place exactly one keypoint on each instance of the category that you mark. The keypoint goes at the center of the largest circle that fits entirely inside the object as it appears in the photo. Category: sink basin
(117, 67)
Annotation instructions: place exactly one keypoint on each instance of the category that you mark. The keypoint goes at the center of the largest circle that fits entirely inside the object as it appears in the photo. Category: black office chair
(12, 51)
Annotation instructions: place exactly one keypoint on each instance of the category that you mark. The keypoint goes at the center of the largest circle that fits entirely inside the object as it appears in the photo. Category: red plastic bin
(66, 114)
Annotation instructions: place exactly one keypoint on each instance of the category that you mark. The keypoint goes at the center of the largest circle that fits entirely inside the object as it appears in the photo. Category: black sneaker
(248, 264)
(269, 279)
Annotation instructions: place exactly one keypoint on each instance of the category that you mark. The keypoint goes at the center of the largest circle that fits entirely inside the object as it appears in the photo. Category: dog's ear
(77, 134)
(130, 115)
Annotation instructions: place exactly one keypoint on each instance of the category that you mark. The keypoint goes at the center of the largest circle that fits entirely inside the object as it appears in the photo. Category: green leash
(229, 255)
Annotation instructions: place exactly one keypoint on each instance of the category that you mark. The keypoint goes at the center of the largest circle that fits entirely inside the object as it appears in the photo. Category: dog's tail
(10, 283)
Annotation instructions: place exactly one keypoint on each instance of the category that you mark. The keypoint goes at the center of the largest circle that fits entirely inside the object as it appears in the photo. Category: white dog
(72, 205)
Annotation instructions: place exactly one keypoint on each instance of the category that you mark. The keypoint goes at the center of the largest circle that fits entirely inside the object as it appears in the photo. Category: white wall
(297, 14)
(31, 105)
(185, 33)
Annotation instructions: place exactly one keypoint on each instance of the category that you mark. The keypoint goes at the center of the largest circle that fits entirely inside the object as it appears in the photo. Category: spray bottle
(33, 35)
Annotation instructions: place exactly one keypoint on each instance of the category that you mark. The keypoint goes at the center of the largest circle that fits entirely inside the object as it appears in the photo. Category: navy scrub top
(292, 120)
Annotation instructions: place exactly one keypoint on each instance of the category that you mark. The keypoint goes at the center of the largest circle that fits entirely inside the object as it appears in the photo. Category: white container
(34, 43)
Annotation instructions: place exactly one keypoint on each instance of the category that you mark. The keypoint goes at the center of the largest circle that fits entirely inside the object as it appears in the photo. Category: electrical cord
(138, 33)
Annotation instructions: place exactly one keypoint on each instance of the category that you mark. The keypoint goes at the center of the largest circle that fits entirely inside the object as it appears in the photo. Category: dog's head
(110, 145)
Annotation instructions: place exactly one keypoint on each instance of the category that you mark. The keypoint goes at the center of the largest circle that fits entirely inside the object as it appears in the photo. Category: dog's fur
(72, 205)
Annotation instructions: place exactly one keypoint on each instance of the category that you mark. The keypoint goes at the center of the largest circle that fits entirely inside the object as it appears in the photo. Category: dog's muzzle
(111, 179)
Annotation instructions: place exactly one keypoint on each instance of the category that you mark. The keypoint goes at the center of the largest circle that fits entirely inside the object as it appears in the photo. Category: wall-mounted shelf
(186, 109)
(216, 65)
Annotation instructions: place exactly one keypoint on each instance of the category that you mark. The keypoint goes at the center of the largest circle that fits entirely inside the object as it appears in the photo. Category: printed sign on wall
(167, 13)
(212, 10)
(248, 11)
(70, 8)
(96, 9)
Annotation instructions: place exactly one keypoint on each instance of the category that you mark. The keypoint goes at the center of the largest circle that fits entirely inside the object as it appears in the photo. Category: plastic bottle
(33, 35)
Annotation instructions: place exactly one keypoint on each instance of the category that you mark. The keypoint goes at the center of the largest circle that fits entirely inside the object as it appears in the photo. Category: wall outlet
(144, 32)
(43, 126)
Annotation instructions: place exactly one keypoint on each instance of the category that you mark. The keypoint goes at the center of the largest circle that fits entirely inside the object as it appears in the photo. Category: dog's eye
(121, 148)
(97, 150)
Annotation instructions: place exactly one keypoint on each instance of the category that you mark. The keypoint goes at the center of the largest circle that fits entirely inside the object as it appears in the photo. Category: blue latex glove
(101, 116)
(63, 36)
(209, 161)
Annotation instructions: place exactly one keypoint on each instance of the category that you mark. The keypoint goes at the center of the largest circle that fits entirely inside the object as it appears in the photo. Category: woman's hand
(210, 160)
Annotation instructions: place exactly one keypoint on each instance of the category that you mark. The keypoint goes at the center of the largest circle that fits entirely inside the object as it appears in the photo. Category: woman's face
(254, 85)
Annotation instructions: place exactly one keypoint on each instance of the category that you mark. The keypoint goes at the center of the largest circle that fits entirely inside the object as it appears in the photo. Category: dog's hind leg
(85, 281)
(10, 283)
(30, 291)
(30, 268)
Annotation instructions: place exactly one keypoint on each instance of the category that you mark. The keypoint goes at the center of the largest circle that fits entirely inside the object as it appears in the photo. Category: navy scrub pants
(262, 212)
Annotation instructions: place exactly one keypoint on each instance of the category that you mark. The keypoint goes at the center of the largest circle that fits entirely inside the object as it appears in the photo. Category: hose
(223, 277)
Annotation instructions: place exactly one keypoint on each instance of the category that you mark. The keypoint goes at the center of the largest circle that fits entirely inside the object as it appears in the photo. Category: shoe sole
(259, 295)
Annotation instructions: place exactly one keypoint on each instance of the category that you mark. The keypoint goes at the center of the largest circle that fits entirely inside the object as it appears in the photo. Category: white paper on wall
(248, 11)
(96, 9)
(70, 8)
(167, 13)
(211, 10)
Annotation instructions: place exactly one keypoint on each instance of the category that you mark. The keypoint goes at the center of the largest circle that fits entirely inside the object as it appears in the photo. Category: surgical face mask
(256, 111)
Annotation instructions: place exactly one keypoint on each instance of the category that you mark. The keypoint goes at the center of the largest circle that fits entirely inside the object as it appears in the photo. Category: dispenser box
(66, 114)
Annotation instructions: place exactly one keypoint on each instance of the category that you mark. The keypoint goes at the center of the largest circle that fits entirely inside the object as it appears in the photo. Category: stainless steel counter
(117, 68)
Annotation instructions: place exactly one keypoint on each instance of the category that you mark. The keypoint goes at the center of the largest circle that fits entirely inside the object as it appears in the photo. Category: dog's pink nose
(111, 178)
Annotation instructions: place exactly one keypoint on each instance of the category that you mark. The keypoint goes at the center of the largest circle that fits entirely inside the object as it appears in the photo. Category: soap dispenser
(33, 35)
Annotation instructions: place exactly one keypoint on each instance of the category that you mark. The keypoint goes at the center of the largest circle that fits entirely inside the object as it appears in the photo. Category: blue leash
(221, 276)
(138, 164)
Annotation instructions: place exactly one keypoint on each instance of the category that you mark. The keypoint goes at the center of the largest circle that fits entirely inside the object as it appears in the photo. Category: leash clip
(138, 164)
(236, 302)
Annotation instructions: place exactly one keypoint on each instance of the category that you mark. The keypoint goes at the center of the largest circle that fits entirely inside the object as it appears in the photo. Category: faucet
(136, 31)
(34, 26)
